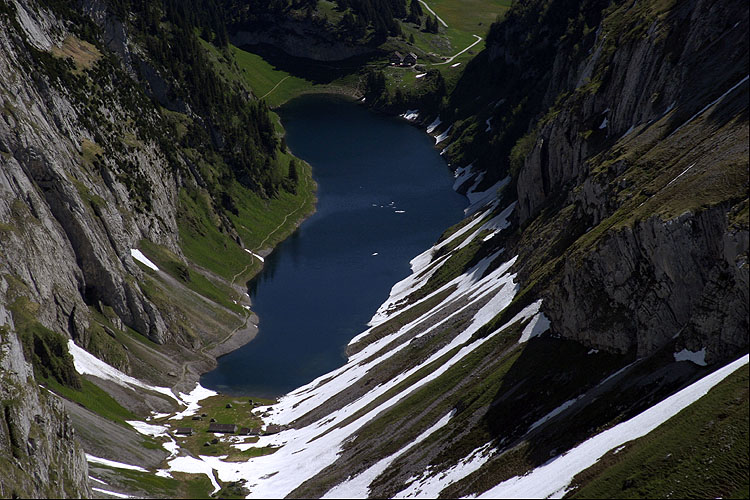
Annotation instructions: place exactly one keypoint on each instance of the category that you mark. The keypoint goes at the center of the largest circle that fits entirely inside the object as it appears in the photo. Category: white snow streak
(138, 255)
(359, 485)
(697, 357)
(432, 126)
(440, 138)
(110, 493)
(680, 174)
(552, 478)
(722, 96)
(411, 115)
(88, 364)
(554, 413)
(430, 483)
(255, 255)
(111, 463)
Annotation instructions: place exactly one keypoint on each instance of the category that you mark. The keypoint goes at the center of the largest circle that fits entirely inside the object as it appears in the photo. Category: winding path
(451, 58)
(433, 13)
(274, 87)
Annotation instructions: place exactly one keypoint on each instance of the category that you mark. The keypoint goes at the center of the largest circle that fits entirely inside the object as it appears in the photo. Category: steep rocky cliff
(585, 309)
(40, 455)
(632, 168)
(107, 153)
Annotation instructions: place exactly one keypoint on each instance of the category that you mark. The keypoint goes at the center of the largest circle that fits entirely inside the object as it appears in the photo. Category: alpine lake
(384, 196)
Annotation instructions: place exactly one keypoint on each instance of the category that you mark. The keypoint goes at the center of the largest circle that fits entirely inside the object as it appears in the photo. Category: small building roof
(412, 54)
(225, 428)
(184, 430)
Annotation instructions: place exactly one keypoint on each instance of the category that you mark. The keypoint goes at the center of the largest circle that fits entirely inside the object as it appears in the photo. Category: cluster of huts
(397, 59)
(217, 428)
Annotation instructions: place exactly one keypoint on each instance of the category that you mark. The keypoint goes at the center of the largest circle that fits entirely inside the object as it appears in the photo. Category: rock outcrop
(39, 455)
(633, 171)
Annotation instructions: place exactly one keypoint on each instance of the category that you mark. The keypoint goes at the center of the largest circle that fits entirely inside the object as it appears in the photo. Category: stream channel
(384, 196)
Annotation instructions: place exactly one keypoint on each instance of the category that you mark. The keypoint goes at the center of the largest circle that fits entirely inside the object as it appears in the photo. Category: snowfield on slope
(552, 479)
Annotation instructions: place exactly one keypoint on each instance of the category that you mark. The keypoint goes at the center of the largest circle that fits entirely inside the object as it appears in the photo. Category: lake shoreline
(411, 195)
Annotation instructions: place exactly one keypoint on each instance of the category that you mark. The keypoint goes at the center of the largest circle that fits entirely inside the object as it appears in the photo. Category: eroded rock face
(628, 80)
(643, 286)
(39, 455)
(616, 101)
(68, 220)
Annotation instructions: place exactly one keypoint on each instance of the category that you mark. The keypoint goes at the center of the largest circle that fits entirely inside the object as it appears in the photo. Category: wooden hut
(222, 428)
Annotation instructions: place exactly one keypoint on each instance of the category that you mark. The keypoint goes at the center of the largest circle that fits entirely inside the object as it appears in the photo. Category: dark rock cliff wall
(642, 145)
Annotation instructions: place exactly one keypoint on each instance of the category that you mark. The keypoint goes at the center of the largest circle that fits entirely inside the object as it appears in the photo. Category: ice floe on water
(138, 255)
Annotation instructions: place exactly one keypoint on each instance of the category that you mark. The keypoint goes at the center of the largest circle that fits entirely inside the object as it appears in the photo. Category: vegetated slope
(121, 130)
(597, 287)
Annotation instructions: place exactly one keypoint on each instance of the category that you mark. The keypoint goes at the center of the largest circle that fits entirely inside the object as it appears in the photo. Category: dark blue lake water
(384, 196)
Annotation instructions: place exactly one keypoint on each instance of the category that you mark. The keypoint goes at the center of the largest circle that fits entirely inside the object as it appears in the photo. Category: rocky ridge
(41, 456)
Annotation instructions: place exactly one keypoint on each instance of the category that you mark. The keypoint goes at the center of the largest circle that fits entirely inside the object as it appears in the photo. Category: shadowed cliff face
(631, 177)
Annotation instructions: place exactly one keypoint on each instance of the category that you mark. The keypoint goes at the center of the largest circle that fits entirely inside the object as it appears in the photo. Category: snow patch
(359, 485)
(697, 357)
(722, 96)
(554, 413)
(537, 326)
(111, 463)
(553, 478)
(455, 65)
(435, 124)
(138, 255)
(88, 364)
(192, 465)
(431, 482)
(411, 115)
(421, 75)
(440, 138)
(192, 400)
(604, 123)
(111, 493)
(255, 255)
